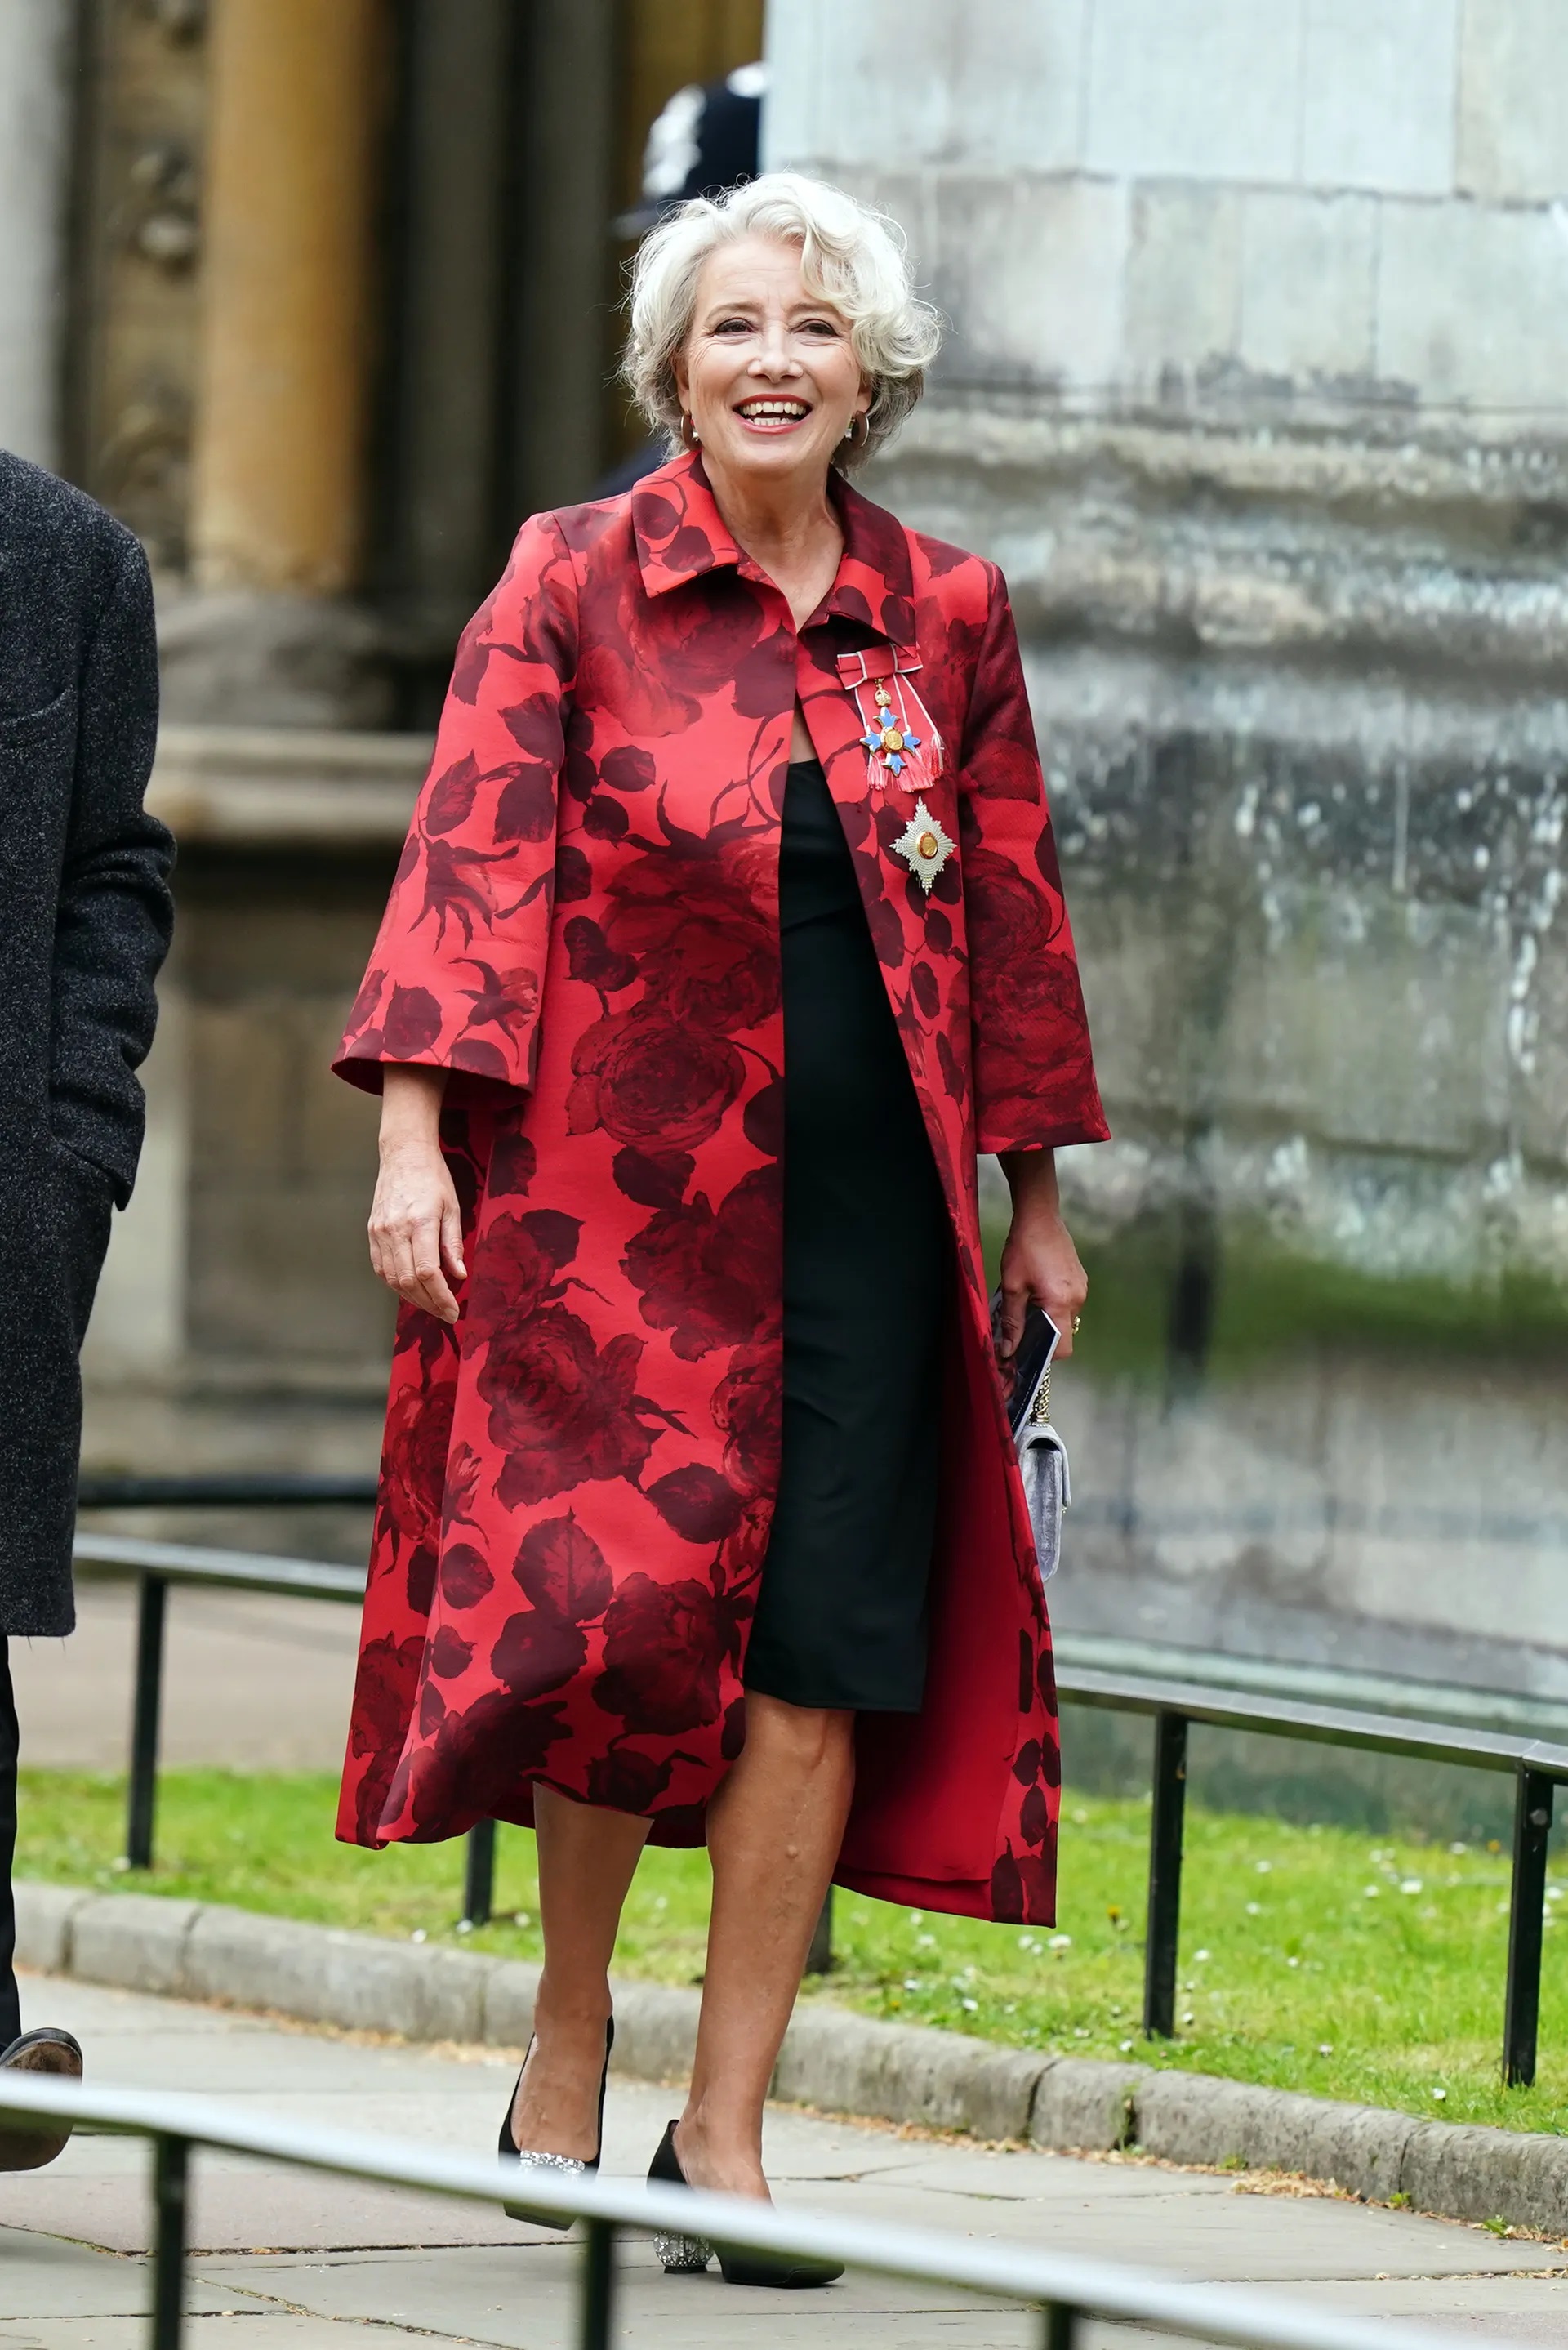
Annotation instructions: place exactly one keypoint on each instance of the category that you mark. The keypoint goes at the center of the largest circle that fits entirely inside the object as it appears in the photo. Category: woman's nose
(776, 358)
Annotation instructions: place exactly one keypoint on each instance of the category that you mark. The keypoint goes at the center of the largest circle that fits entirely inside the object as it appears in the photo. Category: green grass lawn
(1314, 1958)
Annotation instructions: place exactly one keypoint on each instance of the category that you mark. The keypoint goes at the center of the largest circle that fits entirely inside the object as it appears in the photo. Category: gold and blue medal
(889, 737)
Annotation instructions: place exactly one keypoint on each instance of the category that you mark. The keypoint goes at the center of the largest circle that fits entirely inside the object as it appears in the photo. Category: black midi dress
(841, 1620)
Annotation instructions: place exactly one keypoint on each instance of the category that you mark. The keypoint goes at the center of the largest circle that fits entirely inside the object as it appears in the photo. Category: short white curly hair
(851, 256)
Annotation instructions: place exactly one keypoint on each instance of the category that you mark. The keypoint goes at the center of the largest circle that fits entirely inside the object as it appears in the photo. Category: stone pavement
(287, 2260)
(252, 1681)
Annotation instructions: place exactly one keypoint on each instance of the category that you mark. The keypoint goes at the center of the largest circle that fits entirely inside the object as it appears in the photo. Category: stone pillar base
(238, 657)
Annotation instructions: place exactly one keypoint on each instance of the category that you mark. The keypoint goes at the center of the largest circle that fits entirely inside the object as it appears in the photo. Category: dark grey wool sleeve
(85, 916)
(115, 911)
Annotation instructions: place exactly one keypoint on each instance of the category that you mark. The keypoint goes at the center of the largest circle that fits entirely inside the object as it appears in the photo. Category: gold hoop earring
(857, 430)
(690, 436)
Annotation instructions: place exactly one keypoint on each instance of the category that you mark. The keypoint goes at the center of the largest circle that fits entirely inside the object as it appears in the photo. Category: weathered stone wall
(1308, 768)
(1257, 388)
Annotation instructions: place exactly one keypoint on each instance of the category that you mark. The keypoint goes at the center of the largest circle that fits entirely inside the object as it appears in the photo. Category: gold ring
(1077, 1324)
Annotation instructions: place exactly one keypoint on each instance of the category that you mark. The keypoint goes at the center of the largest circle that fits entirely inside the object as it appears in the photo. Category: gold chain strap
(1041, 1411)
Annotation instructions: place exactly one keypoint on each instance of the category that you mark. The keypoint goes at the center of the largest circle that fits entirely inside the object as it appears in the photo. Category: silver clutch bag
(1042, 1455)
(1047, 1481)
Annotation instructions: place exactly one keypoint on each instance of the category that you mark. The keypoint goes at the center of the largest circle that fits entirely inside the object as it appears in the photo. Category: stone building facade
(1257, 388)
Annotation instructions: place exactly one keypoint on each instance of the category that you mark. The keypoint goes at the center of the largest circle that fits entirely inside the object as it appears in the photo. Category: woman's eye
(733, 327)
(821, 326)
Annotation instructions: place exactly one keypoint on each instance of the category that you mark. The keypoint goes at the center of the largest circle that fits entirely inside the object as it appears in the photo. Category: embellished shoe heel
(690, 2254)
(679, 2255)
(553, 2166)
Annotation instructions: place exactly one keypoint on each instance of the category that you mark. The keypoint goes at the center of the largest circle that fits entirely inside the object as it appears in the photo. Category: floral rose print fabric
(578, 1478)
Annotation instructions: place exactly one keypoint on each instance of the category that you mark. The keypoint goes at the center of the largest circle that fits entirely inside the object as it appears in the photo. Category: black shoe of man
(38, 2052)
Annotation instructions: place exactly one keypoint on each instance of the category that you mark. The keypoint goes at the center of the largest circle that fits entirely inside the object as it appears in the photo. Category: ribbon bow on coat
(903, 749)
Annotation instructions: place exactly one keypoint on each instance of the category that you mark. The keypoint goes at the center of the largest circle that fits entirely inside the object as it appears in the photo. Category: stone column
(35, 112)
(446, 526)
(295, 104)
(564, 344)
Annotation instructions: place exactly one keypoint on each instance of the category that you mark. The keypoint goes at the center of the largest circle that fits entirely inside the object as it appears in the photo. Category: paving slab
(526, 2302)
(1283, 2240)
(42, 2276)
(224, 2329)
(288, 2258)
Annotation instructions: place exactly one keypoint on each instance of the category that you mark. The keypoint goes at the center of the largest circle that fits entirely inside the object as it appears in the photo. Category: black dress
(841, 1620)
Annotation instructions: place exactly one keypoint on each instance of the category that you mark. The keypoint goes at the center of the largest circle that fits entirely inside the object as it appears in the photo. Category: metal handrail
(1538, 1765)
(245, 1570)
(1062, 2286)
(1377, 1733)
(225, 1490)
(156, 1566)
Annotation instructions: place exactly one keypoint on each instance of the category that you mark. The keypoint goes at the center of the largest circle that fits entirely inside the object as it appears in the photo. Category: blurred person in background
(85, 916)
(705, 141)
(729, 929)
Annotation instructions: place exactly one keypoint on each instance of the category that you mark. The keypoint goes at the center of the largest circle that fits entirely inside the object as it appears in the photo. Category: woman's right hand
(416, 1229)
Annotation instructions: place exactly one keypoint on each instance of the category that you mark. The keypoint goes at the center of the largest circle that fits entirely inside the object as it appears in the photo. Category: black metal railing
(1537, 1766)
(157, 1567)
(259, 1489)
(1537, 1769)
(1060, 2288)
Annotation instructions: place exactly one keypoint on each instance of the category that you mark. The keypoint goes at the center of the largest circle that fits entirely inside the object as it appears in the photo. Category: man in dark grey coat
(85, 915)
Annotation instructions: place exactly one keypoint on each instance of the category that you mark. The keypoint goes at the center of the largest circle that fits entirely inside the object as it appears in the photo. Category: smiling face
(768, 375)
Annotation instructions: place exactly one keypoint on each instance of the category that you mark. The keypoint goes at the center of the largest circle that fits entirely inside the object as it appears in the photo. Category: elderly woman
(728, 930)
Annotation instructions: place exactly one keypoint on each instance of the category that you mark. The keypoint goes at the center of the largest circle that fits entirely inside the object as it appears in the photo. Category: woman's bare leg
(773, 1833)
(588, 1859)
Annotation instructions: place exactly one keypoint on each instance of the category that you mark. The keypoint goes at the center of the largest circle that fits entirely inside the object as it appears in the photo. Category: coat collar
(680, 533)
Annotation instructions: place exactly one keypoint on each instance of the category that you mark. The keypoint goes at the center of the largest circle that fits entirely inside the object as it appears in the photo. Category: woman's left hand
(1039, 1262)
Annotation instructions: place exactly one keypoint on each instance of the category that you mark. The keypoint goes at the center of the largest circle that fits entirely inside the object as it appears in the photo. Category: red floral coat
(579, 1477)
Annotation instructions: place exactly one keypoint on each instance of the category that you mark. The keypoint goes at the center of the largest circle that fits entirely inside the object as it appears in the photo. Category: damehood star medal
(923, 846)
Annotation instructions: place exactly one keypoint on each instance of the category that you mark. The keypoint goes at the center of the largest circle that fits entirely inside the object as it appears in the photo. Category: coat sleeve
(458, 970)
(1033, 1070)
(115, 912)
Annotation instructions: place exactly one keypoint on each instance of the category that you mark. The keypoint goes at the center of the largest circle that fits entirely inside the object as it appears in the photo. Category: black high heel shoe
(690, 2255)
(561, 2166)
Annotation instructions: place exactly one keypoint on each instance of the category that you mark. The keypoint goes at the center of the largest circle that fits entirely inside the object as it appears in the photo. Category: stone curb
(831, 2059)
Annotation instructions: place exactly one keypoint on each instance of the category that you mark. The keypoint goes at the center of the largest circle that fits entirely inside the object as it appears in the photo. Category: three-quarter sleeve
(458, 969)
(1033, 1070)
